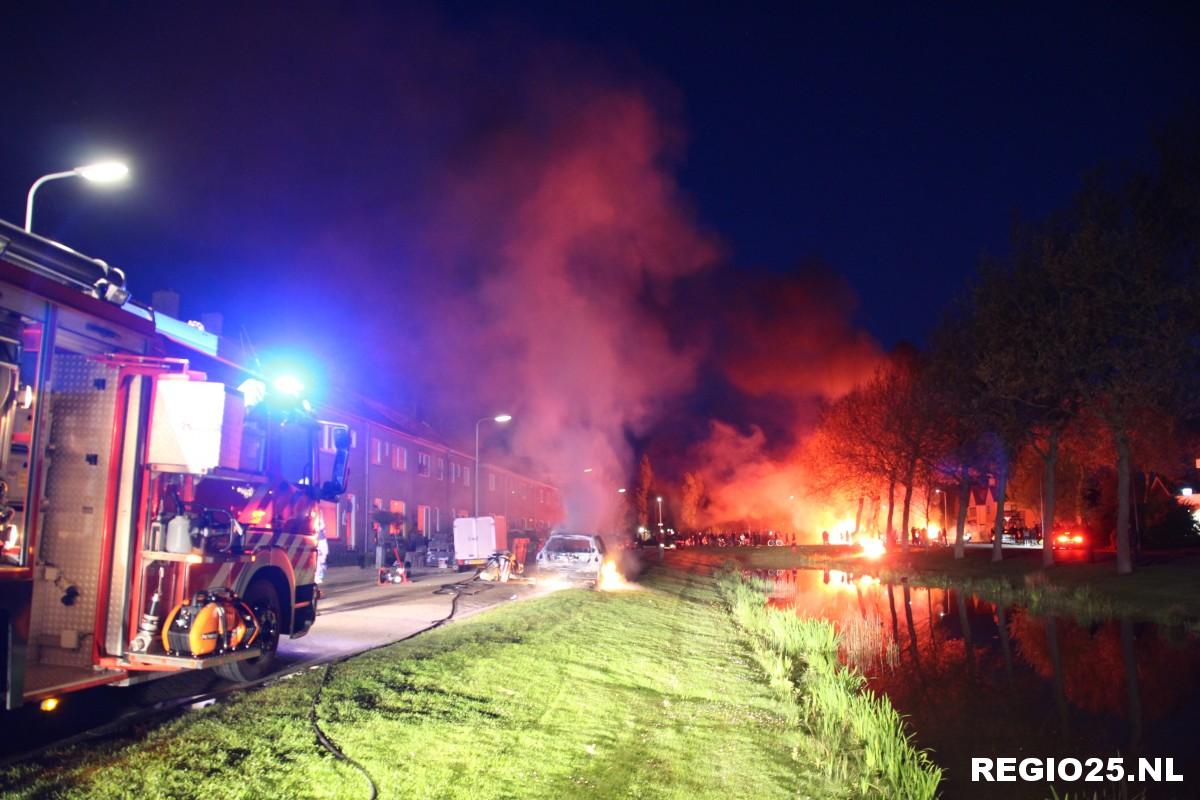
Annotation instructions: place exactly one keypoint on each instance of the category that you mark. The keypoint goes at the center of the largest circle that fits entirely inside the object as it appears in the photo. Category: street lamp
(945, 523)
(660, 511)
(102, 172)
(499, 419)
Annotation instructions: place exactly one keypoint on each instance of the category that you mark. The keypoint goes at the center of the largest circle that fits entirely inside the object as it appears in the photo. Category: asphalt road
(354, 614)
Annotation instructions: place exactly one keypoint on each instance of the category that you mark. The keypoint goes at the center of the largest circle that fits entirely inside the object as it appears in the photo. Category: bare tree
(1137, 282)
(641, 492)
(958, 400)
(691, 501)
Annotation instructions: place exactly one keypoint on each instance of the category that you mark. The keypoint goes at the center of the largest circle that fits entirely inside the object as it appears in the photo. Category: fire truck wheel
(264, 601)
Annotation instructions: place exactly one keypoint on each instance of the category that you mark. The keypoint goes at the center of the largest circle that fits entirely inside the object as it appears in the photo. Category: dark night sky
(894, 145)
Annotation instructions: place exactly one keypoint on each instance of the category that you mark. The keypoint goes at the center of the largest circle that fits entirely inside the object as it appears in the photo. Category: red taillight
(1064, 537)
(1077, 539)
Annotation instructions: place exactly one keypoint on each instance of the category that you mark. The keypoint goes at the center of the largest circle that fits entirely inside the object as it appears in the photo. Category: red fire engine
(160, 507)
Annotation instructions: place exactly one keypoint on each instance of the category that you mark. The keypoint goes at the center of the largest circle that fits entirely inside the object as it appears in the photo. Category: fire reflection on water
(975, 679)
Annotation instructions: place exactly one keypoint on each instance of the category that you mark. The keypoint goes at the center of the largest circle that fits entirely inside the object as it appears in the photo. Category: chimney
(166, 301)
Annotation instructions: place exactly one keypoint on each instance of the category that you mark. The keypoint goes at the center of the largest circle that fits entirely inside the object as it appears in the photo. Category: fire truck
(160, 503)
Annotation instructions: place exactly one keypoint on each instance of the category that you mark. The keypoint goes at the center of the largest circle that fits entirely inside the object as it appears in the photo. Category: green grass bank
(865, 739)
(653, 693)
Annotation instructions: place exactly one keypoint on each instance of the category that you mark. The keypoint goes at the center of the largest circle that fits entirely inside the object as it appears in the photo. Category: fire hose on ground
(323, 738)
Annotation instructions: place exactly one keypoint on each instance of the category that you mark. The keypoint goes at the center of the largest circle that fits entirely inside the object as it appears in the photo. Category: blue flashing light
(289, 385)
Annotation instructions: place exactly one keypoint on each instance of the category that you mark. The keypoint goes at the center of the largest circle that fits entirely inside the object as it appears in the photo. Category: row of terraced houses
(403, 466)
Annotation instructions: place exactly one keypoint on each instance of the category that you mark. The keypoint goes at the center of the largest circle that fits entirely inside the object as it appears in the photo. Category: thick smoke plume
(791, 341)
(586, 233)
(533, 271)
(471, 222)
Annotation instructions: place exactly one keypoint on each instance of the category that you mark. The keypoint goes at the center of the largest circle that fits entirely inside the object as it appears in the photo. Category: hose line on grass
(322, 737)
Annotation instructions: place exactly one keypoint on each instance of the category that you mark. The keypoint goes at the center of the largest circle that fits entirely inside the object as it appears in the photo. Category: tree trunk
(1135, 539)
(908, 491)
(1049, 461)
(1079, 497)
(1129, 656)
(891, 539)
(1005, 647)
(1060, 691)
(912, 629)
(998, 525)
(964, 497)
(928, 495)
(895, 623)
(858, 516)
(1124, 557)
(964, 622)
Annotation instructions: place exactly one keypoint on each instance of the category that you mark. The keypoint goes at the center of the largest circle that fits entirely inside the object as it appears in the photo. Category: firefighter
(322, 548)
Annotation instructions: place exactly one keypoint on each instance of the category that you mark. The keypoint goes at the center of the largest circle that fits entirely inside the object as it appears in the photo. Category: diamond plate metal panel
(82, 399)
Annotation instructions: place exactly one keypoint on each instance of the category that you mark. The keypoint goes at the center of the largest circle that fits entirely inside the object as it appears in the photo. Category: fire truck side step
(151, 661)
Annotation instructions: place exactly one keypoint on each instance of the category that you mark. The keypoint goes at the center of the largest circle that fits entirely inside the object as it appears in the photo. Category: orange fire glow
(873, 548)
(610, 579)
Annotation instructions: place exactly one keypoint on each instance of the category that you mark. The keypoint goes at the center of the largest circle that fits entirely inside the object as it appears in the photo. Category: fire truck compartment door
(185, 427)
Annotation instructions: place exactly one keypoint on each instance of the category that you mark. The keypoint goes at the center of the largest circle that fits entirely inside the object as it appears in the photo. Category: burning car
(576, 556)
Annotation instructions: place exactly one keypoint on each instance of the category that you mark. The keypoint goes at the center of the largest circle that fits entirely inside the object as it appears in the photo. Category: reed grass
(866, 739)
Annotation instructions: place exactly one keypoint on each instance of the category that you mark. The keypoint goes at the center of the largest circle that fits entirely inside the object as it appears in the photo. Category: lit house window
(466, 477)
(423, 464)
(396, 507)
(400, 458)
(376, 505)
(441, 469)
(491, 482)
(379, 450)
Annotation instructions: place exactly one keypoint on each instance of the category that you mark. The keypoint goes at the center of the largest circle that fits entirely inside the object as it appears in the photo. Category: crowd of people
(732, 539)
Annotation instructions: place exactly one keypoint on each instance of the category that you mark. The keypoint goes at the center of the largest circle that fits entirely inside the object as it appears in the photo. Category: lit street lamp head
(100, 172)
(499, 418)
(103, 172)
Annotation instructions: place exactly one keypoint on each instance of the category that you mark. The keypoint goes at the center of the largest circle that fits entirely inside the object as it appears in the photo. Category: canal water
(979, 680)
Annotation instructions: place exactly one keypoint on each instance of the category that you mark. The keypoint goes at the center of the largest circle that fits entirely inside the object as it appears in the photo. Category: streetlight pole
(945, 522)
(660, 523)
(499, 419)
(104, 172)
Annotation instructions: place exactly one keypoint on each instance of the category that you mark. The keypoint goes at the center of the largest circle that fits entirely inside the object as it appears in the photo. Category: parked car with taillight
(1072, 540)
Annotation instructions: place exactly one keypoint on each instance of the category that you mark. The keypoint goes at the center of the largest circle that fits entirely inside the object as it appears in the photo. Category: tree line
(1085, 340)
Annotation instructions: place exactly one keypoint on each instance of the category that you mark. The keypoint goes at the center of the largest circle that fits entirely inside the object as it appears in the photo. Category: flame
(610, 579)
(873, 548)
